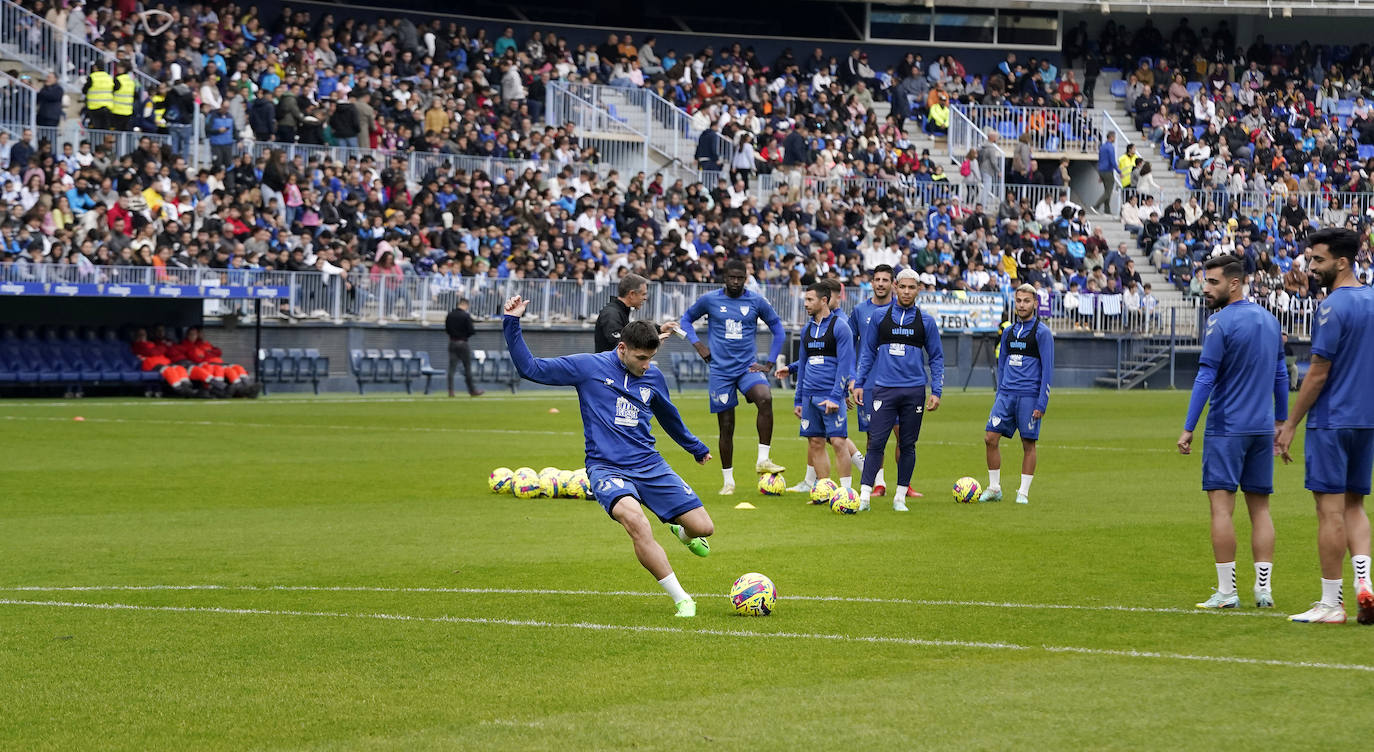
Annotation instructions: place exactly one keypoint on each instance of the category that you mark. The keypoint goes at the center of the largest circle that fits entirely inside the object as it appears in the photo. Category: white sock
(847, 482)
(995, 478)
(729, 473)
(900, 494)
(1226, 577)
(810, 475)
(1361, 566)
(683, 535)
(675, 590)
(1263, 569)
(879, 480)
(763, 452)
(857, 460)
(1331, 592)
(865, 492)
(1025, 485)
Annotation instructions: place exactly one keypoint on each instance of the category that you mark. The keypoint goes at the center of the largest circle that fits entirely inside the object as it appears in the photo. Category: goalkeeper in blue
(732, 317)
(619, 391)
(1025, 363)
(1243, 375)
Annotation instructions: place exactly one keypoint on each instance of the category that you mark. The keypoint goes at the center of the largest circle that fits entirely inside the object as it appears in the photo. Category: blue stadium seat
(1366, 151)
(1345, 107)
(318, 367)
(286, 365)
(1193, 88)
(303, 369)
(394, 368)
(427, 369)
(410, 366)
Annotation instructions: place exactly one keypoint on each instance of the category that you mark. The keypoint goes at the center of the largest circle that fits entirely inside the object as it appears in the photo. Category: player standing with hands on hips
(1243, 374)
(893, 352)
(619, 391)
(1338, 402)
(732, 316)
(825, 369)
(1025, 363)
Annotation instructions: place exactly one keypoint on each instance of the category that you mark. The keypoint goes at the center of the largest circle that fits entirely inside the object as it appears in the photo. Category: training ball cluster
(966, 490)
(823, 490)
(548, 483)
(753, 595)
(844, 501)
(772, 484)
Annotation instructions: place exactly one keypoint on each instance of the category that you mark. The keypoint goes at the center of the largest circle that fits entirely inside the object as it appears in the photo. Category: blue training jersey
(616, 405)
(1243, 373)
(894, 347)
(731, 324)
(1025, 361)
(826, 362)
(1343, 333)
(859, 319)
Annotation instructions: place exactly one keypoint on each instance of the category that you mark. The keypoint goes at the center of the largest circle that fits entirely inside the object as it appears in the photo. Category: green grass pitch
(300, 573)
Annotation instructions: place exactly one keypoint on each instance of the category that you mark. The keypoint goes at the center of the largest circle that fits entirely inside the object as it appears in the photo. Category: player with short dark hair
(619, 391)
(825, 368)
(1338, 403)
(1242, 374)
(881, 280)
(732, 316)
(893, 351)
(1025, 367)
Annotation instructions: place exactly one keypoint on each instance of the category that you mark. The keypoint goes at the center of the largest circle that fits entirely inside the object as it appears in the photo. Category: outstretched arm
(552, 371)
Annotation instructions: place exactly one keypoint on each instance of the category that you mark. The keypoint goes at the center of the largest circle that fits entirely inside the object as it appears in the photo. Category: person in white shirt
(1044, 211)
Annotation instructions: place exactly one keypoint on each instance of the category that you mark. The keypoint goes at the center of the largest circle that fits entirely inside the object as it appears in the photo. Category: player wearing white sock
(1025, 367)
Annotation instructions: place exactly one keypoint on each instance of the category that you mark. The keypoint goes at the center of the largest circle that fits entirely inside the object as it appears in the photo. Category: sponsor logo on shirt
(734, 329)
(626, 414)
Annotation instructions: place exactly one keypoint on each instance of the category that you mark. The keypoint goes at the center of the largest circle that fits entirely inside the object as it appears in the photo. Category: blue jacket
(214, 123)
(1106, 158)
(616, 406)
(894, 366)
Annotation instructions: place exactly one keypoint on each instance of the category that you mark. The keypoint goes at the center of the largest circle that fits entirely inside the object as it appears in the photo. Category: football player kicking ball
(1025, 363)
(732, 316)
(1243, 374)
(1339, 447)
(824, 370)
(619, 390)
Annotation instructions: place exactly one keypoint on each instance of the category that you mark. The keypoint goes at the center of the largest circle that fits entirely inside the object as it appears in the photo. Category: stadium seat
(1193, 88)
(427, 369)
(317, 366)
(394, 368)
(286, 365)
(269, 369)
(410, 366)
(1366, 151)
(363, 364)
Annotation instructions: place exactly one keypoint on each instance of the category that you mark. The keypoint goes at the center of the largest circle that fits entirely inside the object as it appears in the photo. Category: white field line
(735, 633)
(624, 593)
(409, 429)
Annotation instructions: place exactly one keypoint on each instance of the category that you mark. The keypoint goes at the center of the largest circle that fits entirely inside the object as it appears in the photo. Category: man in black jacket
(459, 326)
(631, 294)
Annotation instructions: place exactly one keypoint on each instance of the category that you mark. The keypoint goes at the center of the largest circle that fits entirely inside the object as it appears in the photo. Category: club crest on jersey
(723, 398)
(996, 421)
(645, 393)
(744, 310)
(805, 424)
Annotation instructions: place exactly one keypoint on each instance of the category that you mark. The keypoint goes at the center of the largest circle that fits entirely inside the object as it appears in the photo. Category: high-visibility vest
(123, 98)
(101, 93)
(160, 110)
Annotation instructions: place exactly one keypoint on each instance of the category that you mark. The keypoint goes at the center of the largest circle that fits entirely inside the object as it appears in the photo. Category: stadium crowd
(398, 85)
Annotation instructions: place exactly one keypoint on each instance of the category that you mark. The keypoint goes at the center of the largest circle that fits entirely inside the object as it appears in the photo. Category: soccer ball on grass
(823, 490)
(753, 595)
(844, 501)
(772, 484)
(500, 480)
(966, 490)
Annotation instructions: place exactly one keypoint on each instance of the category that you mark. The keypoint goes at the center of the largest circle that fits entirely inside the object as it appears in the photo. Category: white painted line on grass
(629, 593)
(737, 633)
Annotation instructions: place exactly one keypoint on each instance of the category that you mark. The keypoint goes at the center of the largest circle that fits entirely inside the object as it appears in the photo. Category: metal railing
(614, 140)
(665, 129)
(965, 136)
(18, 103)
(1261, 205)
(1052, 129)
(30, 39)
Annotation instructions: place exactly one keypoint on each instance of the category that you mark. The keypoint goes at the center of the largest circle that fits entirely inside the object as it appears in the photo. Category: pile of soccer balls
(549, 483)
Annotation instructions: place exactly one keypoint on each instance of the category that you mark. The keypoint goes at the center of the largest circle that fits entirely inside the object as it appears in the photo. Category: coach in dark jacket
(459, 327)
(631, 293)
(49, 103)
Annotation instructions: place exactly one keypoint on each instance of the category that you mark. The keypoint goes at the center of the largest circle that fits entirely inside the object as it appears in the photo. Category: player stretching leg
(894, 347)
(732, 316)
(1025, 364)
(824, 371)
(1339, 448)
(1243, 373)
(618, 391)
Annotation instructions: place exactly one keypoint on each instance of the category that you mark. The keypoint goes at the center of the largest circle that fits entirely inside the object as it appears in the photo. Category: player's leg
(1223, 505)
(816, 457)
(879, 486)
(1029, 456)
(992, 449)
(844, 465)
(725, 420)
(669, 497)
(810, 428)
(851, 450)
(1257, 481)
(881, 419)
(1029, 427)
(1325, 470)
(626, 511)
(755, 388)
(1361, 454)
(910, 409)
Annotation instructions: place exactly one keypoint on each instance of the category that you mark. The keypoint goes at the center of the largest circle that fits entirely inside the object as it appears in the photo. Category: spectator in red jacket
(152, 354)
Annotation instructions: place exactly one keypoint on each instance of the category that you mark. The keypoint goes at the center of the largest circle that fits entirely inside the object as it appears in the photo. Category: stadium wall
(968, 358)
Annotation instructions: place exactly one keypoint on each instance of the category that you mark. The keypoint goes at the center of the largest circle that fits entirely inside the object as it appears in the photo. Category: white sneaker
(899, 505)
(802, 487)
(863, 505)
(728, 489)
(1022, 498)
(1264, 598)
(1321, 613)
(767, 465)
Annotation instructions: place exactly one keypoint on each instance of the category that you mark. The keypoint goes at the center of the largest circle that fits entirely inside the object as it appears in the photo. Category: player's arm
(1213, 349)
(1046, 344)
(770, 317)
(1004, 338)
(671, 420)
(1326, 340)
(854, 327)
(696, 311)
(552, 371)
(868, 352)
(1280, 389)
(935, 352)
(844, 362)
